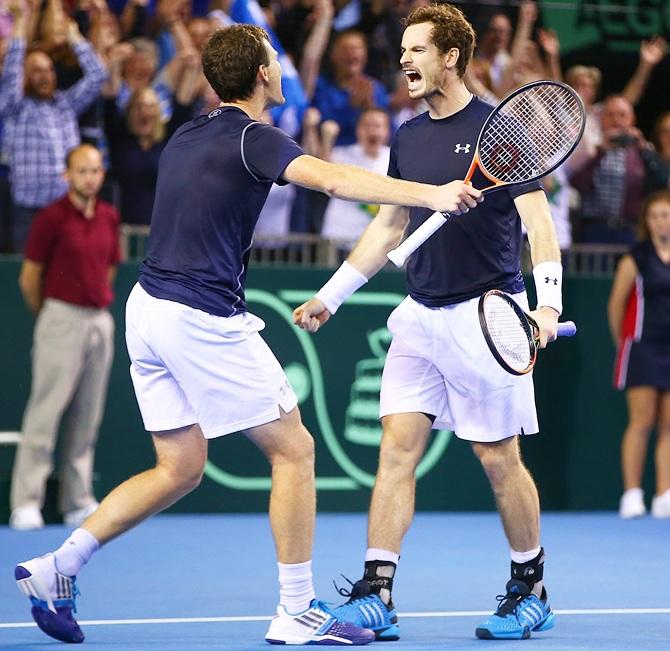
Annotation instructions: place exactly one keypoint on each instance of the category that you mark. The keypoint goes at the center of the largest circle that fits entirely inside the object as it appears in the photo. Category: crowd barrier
(336, 375)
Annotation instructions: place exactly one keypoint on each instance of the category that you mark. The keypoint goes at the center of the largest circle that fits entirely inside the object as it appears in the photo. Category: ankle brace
(531, 572)
(379, 575)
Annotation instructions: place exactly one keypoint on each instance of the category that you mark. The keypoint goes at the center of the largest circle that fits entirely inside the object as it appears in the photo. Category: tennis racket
(511, 334)
(527, 136)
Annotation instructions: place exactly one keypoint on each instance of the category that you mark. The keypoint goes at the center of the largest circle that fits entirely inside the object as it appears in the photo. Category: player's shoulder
(475, 112)
(223, 120)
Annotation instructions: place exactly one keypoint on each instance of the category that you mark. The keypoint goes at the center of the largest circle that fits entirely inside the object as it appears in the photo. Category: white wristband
(548, 285)
(342, 284)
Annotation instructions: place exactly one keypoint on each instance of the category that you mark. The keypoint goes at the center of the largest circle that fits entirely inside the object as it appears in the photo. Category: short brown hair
(451, 29)
(659, 196)
(231, 59)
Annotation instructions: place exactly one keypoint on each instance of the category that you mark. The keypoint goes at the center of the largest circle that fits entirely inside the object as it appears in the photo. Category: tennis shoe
(660, 505)
(316, 625)
(52, 596)
(631, 504)
(366, 609)
(519, 613)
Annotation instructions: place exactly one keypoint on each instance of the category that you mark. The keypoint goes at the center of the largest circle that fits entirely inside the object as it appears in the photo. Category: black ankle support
(531, 572)
(378, 581)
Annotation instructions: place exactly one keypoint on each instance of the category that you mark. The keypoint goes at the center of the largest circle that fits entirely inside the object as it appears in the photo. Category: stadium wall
(336, 375)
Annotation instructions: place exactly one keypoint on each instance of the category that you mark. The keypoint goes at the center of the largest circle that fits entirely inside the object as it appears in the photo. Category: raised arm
(522, 34)
(11, 79)
(81, 95)
(551, 47)
(651, 54)
(315, 46)
(624, 279)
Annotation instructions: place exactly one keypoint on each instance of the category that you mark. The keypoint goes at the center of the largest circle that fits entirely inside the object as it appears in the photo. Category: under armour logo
(462, 148)
(548, 280)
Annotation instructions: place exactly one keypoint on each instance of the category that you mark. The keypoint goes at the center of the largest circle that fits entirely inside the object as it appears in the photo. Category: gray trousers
(72, 354)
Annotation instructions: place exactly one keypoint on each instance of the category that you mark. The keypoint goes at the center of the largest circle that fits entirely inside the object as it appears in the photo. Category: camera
(623, 140)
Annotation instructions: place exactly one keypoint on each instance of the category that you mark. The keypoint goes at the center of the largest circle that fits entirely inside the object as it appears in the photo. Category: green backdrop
(336, 374)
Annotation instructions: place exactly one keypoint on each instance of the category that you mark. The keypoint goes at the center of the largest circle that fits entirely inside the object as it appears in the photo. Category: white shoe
(52, 596)
(316, 625)
(632, 504)
(660, 505)
(25, 518)
(77, 517)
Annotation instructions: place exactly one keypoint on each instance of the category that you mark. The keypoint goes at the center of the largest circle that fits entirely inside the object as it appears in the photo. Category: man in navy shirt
(439, 372)
(199, 367)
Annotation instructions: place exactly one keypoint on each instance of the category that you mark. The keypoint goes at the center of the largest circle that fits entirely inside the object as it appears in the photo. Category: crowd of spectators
(124, 74)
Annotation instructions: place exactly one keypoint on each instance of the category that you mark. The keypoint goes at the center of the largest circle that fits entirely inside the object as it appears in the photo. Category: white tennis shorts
(189, 367)
(439, 364)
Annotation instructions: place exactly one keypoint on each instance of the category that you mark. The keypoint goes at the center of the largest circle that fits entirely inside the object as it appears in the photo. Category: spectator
(494, 48)
(611, 181)
(136, 141)
(40, 122)
(658, 159)
(557, 189)
(348, 91)
(643, 358)
(66, 277)
(346, 220)
(586, 81)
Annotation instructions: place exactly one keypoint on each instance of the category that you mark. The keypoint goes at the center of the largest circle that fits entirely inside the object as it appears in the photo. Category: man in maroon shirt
(66, 277)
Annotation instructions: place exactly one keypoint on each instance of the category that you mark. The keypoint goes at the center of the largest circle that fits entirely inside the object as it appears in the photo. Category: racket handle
(567, 329)
(398, 255)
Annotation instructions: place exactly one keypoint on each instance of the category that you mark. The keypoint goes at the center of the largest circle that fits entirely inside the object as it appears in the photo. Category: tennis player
(439, 372)
(199, 367)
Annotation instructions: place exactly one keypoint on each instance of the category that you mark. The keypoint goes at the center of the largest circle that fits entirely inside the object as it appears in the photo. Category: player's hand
(456, 198)
(311, 316)
(547, 321)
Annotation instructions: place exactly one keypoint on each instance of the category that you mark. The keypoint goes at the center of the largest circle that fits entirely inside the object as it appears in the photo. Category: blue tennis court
(209, 582)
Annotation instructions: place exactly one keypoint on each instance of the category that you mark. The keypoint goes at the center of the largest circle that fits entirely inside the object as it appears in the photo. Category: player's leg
(49, 581)
(514, 490)
(370, 602)
(525, 607)
(643, 408)
(300, 619)
(412, 396)
(660, 506)
(289, 448)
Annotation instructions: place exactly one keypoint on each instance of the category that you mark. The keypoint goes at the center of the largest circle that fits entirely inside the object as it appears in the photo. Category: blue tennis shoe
(367, 610)
(52, 596)
(519, 613)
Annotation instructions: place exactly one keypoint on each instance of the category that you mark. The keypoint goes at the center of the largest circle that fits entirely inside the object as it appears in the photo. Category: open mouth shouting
(413, 78)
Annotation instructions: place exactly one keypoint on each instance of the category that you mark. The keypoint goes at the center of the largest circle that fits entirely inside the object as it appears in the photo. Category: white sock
(296, 589)
(376, 554)
(75, 552)
(524, 557)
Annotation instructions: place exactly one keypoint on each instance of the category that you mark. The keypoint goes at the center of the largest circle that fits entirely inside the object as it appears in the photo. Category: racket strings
(531, 133)
(508, 334)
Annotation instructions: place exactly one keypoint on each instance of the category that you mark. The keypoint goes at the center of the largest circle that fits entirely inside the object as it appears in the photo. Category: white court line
(264, 618)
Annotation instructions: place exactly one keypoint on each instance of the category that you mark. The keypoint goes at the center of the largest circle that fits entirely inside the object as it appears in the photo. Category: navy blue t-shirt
(656, 293)
(214, 176)
(471, 253)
